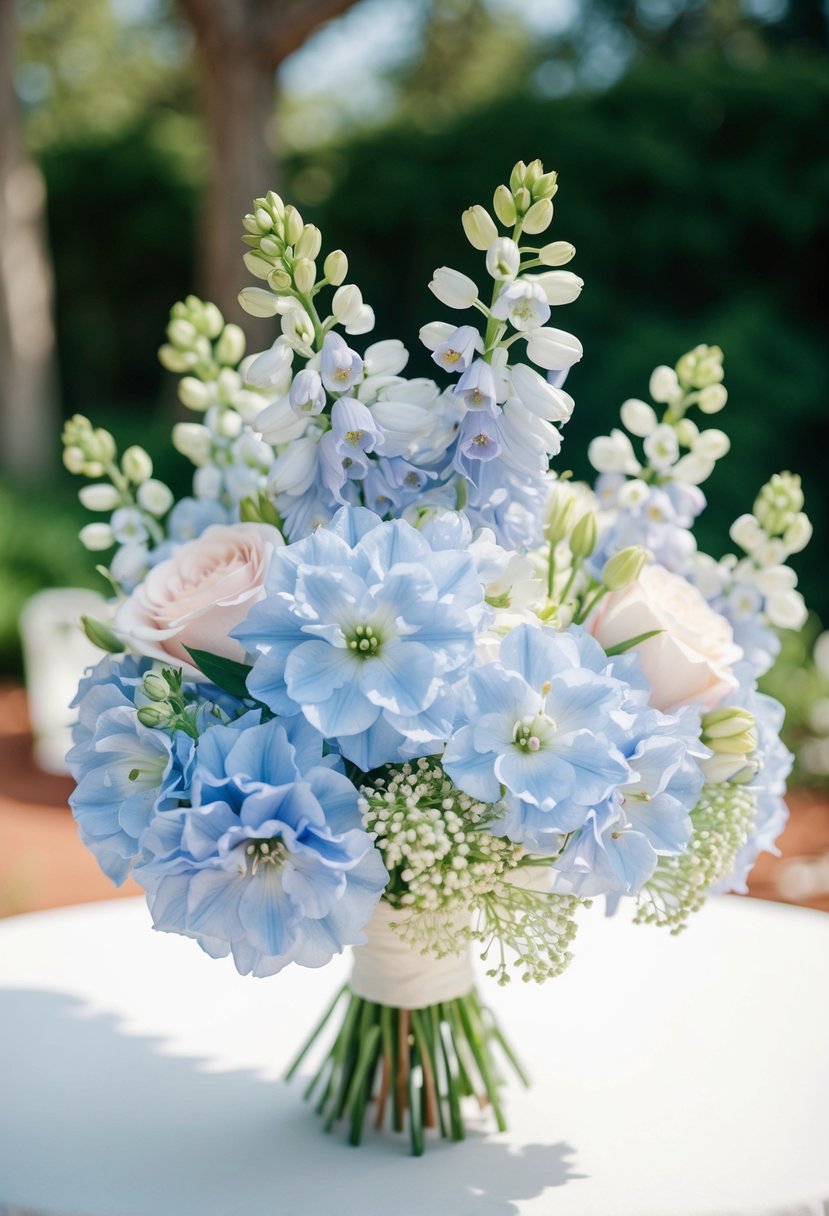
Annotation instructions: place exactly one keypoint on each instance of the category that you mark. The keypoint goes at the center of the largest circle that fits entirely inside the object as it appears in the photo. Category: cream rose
(692, 660)
(199, 594)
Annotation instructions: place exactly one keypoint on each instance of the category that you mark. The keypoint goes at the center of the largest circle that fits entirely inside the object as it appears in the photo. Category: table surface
(672, 1077)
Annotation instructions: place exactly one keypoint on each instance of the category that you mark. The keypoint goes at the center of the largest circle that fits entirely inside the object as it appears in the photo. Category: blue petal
(471, 770)
(316, 669)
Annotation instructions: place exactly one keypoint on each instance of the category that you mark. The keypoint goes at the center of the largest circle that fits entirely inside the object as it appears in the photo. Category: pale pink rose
(692, 660)
(195, 597)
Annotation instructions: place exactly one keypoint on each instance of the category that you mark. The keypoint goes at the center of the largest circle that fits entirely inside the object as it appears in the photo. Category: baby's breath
(722, 821)
(456, 881)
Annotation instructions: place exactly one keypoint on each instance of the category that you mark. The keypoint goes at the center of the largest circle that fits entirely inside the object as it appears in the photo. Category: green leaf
(225, 673)
(249, 511)
(101, 635)
(621, 647)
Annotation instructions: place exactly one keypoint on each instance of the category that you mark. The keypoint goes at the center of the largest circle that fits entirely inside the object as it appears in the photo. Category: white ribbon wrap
(389, 971)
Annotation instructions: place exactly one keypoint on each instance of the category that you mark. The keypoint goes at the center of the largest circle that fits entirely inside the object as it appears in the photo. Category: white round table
(672, 1077)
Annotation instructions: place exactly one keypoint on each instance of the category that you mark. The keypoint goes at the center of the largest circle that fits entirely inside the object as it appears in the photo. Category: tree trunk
(239, 107)
(28, 382)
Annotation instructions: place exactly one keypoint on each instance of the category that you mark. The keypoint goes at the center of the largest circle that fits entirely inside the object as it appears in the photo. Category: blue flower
(125, 772)
(344, 450)
(365, 629)
(270, 863)
(545, 729)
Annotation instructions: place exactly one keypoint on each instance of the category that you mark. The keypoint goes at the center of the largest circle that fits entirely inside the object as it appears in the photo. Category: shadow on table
(97, 1122)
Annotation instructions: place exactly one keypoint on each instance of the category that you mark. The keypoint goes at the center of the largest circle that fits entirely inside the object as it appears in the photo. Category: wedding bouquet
(386, 681)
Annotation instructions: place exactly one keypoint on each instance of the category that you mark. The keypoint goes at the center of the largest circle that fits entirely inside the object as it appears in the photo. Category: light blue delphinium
(270, 863)
(545, 726)
(365, 629)
(125, 772)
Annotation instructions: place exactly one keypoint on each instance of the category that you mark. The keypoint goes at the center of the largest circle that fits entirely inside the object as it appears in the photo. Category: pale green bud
(270, 248)
(257, 265)
(712, 398)
(250, 225)
(687, 432)
(229, 424)
(97, 537)
(228, 384)
(335, 267)
(175, 360)
(546, 186)
(155, 715)
(156, 687)
(230, 349)
(516, 178)
(532, 173)
(479, 227)
(182, 334)
(305, 275)
(275, 204)
(257, 302)
(264, 221)
(725, 722)
(279, 279)
(193, 393)
(136, 465)
(193, 441)
(210, 321)
(539, 217)
(100, 497)
(557, 253)
(292, 221)
(624, 568)
(779, 501)
(154, 497)
(74, 459)
(309, 243)
(584, 536)
(101, 635)
(100, 446)
(523, 200)
(559, 517)
(504, 206)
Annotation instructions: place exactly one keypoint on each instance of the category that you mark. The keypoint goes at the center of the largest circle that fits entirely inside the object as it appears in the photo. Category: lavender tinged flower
(477, 388)
(270, 864)
(307, 395)
(340, 366)
(364, 630)
(457, 352)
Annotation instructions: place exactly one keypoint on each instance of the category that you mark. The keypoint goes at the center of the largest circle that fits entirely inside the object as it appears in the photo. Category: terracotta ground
(44, 865)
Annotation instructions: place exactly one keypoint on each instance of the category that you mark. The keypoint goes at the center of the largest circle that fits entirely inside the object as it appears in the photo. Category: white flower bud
(387, 358)
(279, 280)
(539, 217)
(363, 323)
(257, 302)
(97, 537)
(712, 398)
(504, 206)
(747, 533)
(638, 417)
(693, 469)
(662, 448)
(664, 386)
(136, 465)
(624, 568)
(436, 332)
(335, 267)
(175, 360)
(613, 453)
(263, 220)
(231, 346)
(297, 328)
(775, 580)
(584, 536)
(633, 493)
(75, 461)
(207, 482)
(711, 444)
(154, 497)
(182, 334)
(557, 253)
(553, 349)
(503, 259)
(453, 289)
(305, 275)
(293, 225)
(256, 264)
(99, 446)
(479, 227)
(309, 243)
(272, 367)
(210, 321)
(100, 497)
(193, 441)
(195, 394)
(798, 534)
(347, 302)
(559, 286)
(787, 610)
(687, 432)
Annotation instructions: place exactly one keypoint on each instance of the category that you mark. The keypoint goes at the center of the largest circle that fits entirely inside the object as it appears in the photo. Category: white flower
(136, 464)
(207, 482)
(692, 469)
(523, 304)
(479, 227)
(662, 448)
(613, 453)
(774, 580)
(258, 303)
(633, 493)
(664, 385)
(798, 534)
(193, 441)
(453, 289)
(712, 398)
(363, 323)
(459, 349)
(307, 395)
(346, 304)
(278, 423)
(155, 497)
(747, 533)
(272, 367)
(638, 417)
(195, 394)
(298, 328)
(97, 537)
(100, 497)
(294, 471)
(553, 349)
(435, 332)
(559, 286)
(711, 444)
(787, 610)
(539, 396)
(386, 358)
(503, 259)
(557, 253)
